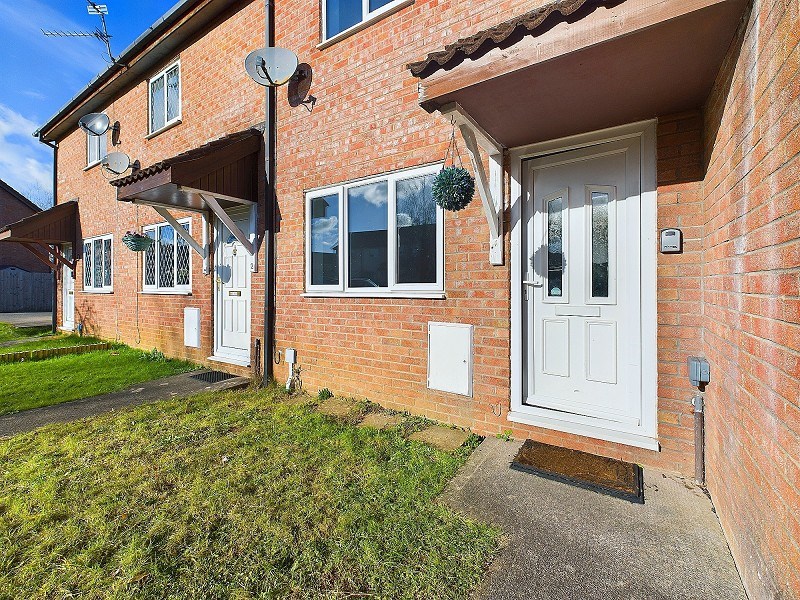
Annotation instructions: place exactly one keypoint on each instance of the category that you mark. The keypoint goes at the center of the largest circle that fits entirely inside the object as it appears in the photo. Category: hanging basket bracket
(489, 187)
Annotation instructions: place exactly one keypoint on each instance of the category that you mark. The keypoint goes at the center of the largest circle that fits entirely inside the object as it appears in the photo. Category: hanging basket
(453, 188)
(136, 241)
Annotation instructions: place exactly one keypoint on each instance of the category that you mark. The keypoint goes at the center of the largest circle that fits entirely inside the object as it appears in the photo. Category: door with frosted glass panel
(582, 282)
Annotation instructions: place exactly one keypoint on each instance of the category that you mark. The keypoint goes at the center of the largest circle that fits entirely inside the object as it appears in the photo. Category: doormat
(598, 473)
(212, 376)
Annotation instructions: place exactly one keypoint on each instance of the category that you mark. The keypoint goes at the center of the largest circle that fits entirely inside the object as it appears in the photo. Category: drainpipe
(54, 145)
(269, 207)
(699, 440)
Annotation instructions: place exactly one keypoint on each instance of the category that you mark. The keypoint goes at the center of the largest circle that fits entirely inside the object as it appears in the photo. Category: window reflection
(600, 244)
(367, 225)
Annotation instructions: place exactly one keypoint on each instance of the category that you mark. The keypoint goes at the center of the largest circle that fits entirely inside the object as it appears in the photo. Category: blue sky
(39, 74)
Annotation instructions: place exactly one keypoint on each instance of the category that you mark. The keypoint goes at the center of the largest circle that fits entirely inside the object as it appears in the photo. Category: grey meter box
(699, 371)
(671, 241)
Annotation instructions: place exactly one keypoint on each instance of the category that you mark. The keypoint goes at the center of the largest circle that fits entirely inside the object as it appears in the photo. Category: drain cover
(212, 376)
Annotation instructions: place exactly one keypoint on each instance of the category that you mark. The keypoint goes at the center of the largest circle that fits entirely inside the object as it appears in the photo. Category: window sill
(91, 165)
(400, 294)
(97, 291)
(166, 127)
(380, 14)
(166, 292)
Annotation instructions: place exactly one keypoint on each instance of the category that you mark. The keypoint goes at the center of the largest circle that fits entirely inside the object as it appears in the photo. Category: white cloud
(324, 233)
(25, 163)
(374, 193)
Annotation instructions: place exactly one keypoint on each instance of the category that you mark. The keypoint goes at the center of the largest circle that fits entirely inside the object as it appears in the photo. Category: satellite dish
(95, 123)
(271, 66)
(115, 163)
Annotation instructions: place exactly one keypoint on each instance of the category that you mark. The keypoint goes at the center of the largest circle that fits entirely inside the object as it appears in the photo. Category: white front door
(232, 319)
(67, 293)
(581, 290)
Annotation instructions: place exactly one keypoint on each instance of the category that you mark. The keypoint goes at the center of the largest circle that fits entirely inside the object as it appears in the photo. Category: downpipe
(699, 440)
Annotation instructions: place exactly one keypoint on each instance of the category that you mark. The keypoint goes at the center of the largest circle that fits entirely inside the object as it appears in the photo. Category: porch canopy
(212, 178)
(574, 66)
(43, 232)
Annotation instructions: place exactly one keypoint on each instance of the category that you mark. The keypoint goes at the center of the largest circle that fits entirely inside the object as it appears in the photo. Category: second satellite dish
(115, 163)
(271, 66)
(95, 123)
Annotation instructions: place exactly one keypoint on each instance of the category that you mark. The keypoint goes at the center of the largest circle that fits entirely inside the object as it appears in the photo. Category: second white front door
(582, 284)
(232, 282)
(68, 293)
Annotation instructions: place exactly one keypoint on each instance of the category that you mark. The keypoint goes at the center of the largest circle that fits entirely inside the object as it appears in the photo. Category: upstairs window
(167, 262)
(97, 261)
(342, 15)
(377, 236)
(96, 149)
(165, 98)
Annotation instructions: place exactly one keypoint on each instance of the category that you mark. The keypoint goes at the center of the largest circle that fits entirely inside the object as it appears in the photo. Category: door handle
(533, 283)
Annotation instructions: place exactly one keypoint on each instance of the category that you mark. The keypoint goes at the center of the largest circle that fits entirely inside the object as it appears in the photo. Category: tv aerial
(101, 10)
(271, 67)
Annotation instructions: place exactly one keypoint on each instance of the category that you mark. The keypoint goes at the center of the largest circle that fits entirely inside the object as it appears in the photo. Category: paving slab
(339, 408)
(379, 420)
(31, 319)
(443, 438)
(175, 386)
(567, 543)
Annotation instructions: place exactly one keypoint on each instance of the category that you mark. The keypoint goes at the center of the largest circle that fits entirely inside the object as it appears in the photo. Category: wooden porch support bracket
(225, 218)
(490, 188)
(201, 249)
(46, 252)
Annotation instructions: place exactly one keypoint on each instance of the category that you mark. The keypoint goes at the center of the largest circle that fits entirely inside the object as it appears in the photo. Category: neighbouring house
(558, 305)
(25, 281)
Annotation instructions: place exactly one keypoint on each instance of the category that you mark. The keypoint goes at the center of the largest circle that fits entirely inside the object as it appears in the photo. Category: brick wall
(367, 121)
(218, 98)
(752, 299)
(15, 255)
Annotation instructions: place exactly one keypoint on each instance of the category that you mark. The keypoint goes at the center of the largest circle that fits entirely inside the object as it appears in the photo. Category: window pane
(182, 262)
(341, 14)
(97, 253)
(416, 231)
(173, 97)
(367, 224)
(102, 146)
(91, 149)
(555, 251)
(150, 260)
(325, 240)
(599, 245)
(87, 265)
(166, 256)
(376, 4)
(106, 262)
(157, 104)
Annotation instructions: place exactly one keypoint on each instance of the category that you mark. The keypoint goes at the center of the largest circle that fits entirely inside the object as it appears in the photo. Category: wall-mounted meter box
(671, 241)
(699, 371)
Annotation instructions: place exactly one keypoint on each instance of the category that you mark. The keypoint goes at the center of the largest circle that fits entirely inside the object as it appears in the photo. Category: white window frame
(393, 288)
(175, 289)
(367, 18)
(93, 288)
(102, 148)
(177, 119)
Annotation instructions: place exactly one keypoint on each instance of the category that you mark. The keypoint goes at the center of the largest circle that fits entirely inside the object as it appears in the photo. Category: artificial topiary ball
(453, 188)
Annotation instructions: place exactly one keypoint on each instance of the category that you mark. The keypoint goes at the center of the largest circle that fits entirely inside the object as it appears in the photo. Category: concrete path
(566, 543)
(176, 386)
(27, 319)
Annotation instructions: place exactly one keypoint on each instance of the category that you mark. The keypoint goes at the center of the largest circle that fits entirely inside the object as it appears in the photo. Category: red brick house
(13, 207)
(549, 306)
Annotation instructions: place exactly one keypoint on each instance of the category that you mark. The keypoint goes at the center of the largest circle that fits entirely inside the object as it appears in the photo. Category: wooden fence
(23, 291)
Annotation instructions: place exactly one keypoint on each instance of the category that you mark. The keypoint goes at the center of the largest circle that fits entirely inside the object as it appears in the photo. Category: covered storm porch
(548, 88)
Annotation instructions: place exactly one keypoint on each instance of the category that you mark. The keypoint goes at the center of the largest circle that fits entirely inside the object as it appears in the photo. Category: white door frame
(219, 355)
(64, 272)
(644, 435)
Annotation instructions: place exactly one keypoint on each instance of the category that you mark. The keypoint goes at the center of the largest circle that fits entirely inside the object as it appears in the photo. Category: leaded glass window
(165, 98)
(97, 264)
(167, 263)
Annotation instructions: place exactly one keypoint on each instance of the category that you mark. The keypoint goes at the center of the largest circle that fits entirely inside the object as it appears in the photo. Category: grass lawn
(25, 385)
(237, 495)
(60, 341)
(9, 332)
